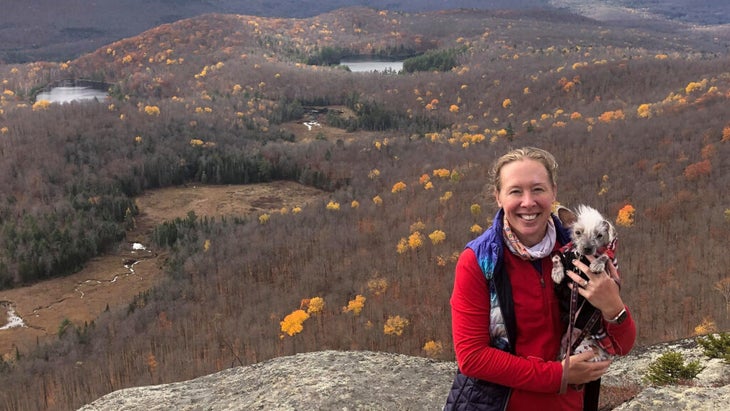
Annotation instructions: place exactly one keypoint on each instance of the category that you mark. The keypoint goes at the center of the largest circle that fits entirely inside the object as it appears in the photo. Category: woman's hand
(582, 370)
(600, 290)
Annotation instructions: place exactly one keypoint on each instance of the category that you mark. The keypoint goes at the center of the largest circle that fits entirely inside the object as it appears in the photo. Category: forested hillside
(638, 121)
(51, 30)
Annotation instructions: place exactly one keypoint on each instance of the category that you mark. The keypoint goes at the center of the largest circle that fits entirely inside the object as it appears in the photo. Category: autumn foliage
(625, 216)
(401, 161)
(697, 170)
(294, 322)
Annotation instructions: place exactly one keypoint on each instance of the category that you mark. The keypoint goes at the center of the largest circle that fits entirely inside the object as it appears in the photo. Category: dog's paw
(558, 272)
(599, 264)
(589, 344)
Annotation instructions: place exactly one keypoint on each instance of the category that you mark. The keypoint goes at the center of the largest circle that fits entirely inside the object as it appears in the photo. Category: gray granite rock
(363, 380)
(326, 380)
(708, 392)
(677, 397)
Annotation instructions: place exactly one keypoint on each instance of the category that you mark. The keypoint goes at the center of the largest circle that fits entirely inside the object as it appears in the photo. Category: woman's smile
(526, 195)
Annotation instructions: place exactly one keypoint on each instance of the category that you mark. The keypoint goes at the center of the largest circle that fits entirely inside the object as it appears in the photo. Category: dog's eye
(599, 235)
(578, 233)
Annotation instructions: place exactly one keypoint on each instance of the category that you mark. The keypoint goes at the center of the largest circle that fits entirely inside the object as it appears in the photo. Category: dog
(591, 234)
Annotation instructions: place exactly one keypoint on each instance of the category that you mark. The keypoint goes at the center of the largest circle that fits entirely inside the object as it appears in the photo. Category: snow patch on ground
(13, 320)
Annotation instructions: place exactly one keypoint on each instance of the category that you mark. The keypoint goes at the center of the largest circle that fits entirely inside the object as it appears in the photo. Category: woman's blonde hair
(532, 153)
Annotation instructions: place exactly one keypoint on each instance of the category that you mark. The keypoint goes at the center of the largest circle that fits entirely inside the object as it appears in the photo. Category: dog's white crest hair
(590, 217)
(588, 214)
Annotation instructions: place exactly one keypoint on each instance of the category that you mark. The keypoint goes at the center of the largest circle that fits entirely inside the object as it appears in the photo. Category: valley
(111, 282)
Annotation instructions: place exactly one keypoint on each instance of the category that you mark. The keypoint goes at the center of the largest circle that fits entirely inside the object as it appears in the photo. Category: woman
(505, 315)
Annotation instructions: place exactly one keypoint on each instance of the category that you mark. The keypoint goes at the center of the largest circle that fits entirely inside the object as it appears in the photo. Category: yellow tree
(293, 323)
(395, 325)
(152, 110)
(355, 305)
(433, 348)
(315, 305)
(625, 216)
(441, 172)
(609, 116)
(415, 240)
(377, 285)
(644, 111)
(707, 326)
(437, 236)
(41, 105)
(398, 187)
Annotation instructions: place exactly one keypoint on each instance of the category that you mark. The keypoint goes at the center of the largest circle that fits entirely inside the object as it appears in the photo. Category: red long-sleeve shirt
(533, 372)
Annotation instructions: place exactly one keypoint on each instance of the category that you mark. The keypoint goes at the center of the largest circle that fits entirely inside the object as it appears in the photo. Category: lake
(371, 65)
(69, 94)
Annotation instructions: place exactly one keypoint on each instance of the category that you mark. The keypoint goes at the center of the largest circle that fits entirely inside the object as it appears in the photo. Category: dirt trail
(114, 279)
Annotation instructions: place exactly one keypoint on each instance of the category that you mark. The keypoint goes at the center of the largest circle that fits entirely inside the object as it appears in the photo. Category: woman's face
(526, 195)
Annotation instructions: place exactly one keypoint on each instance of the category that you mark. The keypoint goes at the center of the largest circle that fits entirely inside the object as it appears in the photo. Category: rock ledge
(325, 380)
(365, 380)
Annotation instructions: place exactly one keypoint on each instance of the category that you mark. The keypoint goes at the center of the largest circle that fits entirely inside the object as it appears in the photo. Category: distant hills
(50, 30)
(689, 12)
(635, 111)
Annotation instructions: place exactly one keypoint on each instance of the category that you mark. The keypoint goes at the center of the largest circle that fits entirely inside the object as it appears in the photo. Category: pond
(74, 93)
(369, 66)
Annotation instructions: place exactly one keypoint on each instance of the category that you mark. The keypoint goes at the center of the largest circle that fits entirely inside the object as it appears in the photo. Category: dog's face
(591, 231)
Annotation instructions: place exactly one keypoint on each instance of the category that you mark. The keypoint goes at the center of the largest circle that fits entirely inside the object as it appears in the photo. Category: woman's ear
(496, 198)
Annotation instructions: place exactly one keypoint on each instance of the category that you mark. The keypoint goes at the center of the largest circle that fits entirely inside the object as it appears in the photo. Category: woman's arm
(603, 293)
(622, 335)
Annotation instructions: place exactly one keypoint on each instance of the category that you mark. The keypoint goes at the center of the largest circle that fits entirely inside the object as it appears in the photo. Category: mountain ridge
(38, 30)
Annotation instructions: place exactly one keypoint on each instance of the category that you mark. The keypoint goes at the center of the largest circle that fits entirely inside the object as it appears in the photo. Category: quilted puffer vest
(469, 393)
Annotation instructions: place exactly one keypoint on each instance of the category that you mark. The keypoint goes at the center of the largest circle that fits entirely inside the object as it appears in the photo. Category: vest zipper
(537, 265)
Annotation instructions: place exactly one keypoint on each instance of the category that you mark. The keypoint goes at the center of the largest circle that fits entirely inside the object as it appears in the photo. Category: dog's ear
(609, 229)
(566, 216)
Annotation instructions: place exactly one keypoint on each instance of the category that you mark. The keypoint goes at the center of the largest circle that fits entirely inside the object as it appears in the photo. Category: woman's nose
(527, 200)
